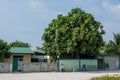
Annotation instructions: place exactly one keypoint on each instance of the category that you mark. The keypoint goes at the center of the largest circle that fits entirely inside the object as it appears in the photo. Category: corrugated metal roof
(39, 51)
(103, 53)
(21, 50)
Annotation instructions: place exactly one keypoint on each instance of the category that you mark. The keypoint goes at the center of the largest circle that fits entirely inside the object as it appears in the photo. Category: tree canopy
(19, 44)
(72, 34)
(114, 46)
(3, 50)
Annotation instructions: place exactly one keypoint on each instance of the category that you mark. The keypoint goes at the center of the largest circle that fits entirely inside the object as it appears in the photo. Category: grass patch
(107, 77)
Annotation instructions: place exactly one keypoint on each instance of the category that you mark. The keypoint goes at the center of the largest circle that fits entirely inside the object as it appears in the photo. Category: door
(15, 64)
(100, 63)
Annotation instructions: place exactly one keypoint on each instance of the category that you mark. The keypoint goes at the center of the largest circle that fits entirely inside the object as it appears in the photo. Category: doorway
(17, 63)
(100, 64)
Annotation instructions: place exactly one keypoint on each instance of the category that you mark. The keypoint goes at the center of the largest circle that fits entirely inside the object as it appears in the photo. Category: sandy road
(55, 75)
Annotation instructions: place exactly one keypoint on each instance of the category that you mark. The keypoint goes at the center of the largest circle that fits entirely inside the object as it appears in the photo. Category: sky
(26, 20)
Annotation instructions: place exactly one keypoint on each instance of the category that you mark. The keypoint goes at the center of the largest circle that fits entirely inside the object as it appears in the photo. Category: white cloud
(111, 13)
(77, 1)
(39, 8)
(83, 2)
(112, 9)
(110, 28)
(95, 10)
(35, 3)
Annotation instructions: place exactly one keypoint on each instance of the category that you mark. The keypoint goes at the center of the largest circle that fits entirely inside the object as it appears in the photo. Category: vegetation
(114, 46)
(19, 44)
(3, 50)
(106, 78)
(106, 65)
(68, 36)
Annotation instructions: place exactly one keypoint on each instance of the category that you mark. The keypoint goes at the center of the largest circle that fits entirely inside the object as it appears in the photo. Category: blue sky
(25, 20)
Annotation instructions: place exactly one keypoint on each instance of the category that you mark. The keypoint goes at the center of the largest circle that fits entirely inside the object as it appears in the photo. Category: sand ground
(56, 75)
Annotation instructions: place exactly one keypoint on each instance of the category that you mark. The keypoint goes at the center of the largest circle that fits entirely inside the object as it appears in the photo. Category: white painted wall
(113, 62)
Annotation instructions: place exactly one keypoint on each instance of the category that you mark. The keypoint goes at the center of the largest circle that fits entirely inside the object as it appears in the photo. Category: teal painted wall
(70, 64)
(90, 64)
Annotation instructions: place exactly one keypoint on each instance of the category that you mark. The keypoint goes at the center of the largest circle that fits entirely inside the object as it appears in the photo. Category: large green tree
(4, 50)
(68, 36)
(19, 44)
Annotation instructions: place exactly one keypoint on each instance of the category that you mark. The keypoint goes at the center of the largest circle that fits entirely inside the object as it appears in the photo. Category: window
(34, 60)
(41, 60)
(20, 59)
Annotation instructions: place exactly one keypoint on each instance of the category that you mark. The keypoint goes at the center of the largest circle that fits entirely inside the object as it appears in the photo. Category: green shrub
(107, 65)
(107, 77)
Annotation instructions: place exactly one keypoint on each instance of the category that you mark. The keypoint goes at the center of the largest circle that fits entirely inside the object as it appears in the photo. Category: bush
(107, 65)
(107, 77)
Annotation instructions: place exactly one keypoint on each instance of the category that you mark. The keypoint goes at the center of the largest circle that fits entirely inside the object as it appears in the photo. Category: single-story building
(104, 61)
(27, 59)
(39, 55)
(108, 61)
(21, 55)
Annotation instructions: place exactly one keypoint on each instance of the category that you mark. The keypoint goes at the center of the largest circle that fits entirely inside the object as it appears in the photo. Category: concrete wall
(7, 60)
(91, 64)
(77, 64)
(5, 67)
(30, 67)
(26, 58)
(113, 62)
(69, 64)
(38, 56)
(39, 67)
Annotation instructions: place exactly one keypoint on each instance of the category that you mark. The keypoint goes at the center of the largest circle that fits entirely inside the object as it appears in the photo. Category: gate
(15, 64)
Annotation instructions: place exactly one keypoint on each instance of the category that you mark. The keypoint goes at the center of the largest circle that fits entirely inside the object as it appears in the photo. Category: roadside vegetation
(5, 46)
(107, 77)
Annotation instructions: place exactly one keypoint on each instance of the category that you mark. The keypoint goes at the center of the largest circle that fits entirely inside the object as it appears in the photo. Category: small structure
(79, 64)
(108, 61)
(19, 56)
(39, 55)
(103, 62)
(22, 55)
(25, 59)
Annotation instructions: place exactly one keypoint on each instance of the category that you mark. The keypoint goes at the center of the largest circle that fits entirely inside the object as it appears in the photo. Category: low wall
(91, 64)
(39, 67)
(77, 64)
(5, 67)
(113, 62)
(69, 64)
